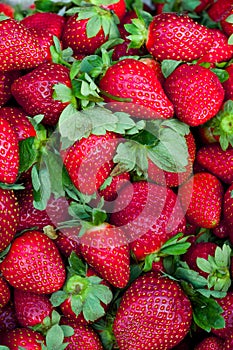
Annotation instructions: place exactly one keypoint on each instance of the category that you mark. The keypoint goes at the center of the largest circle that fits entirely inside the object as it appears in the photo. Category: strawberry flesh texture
(210, 343)
(228, 84)
(6, 79)
(154, 313)
(4, 292)
(228, 210)
(22, 337)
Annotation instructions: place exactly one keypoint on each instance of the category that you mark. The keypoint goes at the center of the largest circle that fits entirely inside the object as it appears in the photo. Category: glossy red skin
(119, 8)
(222, 230)
(110, 193)
(34, 264)
(6, 79)
(4, 292)
(7, 10)
(163, 314)
(226, 304)
(227, 85)
(24, 337)
(228, 210)
(149, 214)
(226, 26)
(67, 241)
(34, 90)
(166, 33)
(204, 4)
(218, 9)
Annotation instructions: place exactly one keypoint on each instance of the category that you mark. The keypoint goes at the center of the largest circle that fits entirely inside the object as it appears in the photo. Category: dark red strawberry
(222, 230)
(133, 80)
(149, 214)
(218, 9)
(110, 192)
(4, 292)
(195, 92)
(228, 210)
(9, 215)
(19, 48)
(8, 318)
(89, 161)
(105, 248)
(204, 4)
(6, 79)
(154, 313)
(67, 241)
(34, 91)
(228, 343)
(19, 121)
(227, 26)
(226, 305)
(23, 338)
(31, 308)
(210, 343)
(202, 197)
(34, 264)
(227, 84)
(7, 10)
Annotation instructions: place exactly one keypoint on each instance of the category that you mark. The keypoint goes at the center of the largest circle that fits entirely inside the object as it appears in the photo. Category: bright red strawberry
(105, 248)
(228, 210)
(9, 217)
(133, 80)
(89, 161)
(119, 8)
(195, 92)
(19, 48)
(34, 91)
(4, 292)
(204, 4)
(226, 26)
(178, 37)
(23, 338)
(149, 214)
(226, 304)
(84, 337)
(8, 318)
(202, 197)
(6, 79)
(7, 10)
(156, 66)
(210, 343)
(216, 161)
(19, 121)
(31, 308)
(34, 264)
(218, 9)
(227, 84)
(9, 156)
(173, 179)
(154, 313)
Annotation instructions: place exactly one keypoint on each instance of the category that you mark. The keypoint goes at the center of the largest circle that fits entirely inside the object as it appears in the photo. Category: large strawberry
(23, 338)
(34, 91)
(9, 217)
(19, 48)
(202, 198)
(154, 313)
(195, 92)
(34, 264)
(149, 214)
(135, 83)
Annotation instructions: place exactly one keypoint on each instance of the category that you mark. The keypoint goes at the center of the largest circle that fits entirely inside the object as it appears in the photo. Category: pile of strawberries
(116, 175)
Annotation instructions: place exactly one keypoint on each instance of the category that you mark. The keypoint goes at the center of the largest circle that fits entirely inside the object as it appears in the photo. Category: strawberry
(105, 248)
(89, 161)
(228, 343)
(7, 10)
(23, 338)
(227, 210)
(4, 292)
(204, 4)
(31, 308)
(9, 217)
(9, 158)
(210, 343)
(6, 79)
(118, 7)
(173, 179)
(218, 9)
(8, 318)
(227, 26)
(67, 241)
(226, 305)
(133, 80)
(34, 91)
(227, 84)
(195, 92)
(19, 46)
(34, 264)
(159, 210)
(202, 197)
(19, 121)
(154, 313)
(156, 66)
(222, 230)
(110, 192)
(216, 161)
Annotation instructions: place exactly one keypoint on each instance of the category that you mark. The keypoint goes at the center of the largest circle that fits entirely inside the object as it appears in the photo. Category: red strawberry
(4, 292)
(228, 210)
(9, 156)
(110, 192)
(156, 66)
(19, 46)
(34, 264)
(226, 305)
(132, 79)
(105, 248)
(34, 91)
(67, 241)
(149, 214)
(89, 161)
(222, 230)
(204, 4)
(23, 338)
(8, 318)
(6, 79)
(178, 37)
(7, 10)
(210, 343)
(227, 84)
(195, 92)
(31, 308)
(154, 313)
(202, 197)
(226, 26)
(119, 8)
(173, 179)
(17, 118)
(218, 9)
(228, 343)
(9, 216)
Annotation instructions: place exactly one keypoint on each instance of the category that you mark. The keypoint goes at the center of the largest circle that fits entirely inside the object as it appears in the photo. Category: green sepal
(222, 74)
(168, 66)
(60, 56)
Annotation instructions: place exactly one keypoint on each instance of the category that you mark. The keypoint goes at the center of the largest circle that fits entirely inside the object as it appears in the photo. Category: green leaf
(57, 298)
(230, 40)
(77, 265)
(222, 74)
(27, 154)
(3, 347)
(229, 19)
(190, 276)
(62, 93)
(93, 26)
(54, 337)
(98, 216)
(168, 66)
(67, 330)
(76, 304)
(102, 292)
(92, 309)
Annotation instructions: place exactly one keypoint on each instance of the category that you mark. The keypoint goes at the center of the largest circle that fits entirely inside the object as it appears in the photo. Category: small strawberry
(31, 308)
(149, 214)
(19, 48)
(133, 80)
(34, 91)
(6, 79)
(8, 318)
(34, 264)
(202, 197)
(195, 92)
(23, 338)
(210, 343)
(7, 10)
(4, 292)
(154, 313)
(9, 217)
